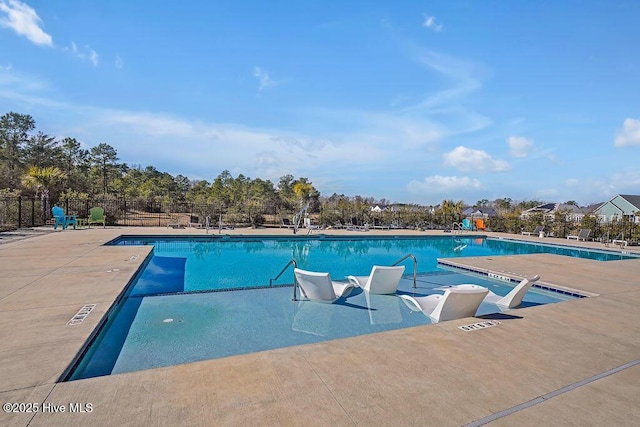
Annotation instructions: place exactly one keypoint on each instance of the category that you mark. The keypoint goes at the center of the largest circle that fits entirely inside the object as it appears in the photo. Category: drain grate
(479, 325)
(81, 314)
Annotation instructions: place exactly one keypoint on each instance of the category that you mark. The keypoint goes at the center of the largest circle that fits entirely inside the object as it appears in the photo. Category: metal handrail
(295, 282)
(415, 267)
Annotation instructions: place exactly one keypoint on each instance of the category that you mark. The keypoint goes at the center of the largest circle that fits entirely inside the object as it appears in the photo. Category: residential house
(548, 210)
(620, 207)
(483, 212)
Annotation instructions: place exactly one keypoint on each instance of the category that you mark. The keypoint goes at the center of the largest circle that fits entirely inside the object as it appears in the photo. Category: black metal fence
(18, 212)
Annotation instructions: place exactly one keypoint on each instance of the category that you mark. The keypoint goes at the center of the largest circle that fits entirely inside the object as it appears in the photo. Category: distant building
(548, 210)
(621, 207)
(484, 212)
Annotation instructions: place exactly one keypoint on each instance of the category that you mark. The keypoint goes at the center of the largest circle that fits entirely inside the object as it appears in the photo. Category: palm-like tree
(303, 191)
(42, 180)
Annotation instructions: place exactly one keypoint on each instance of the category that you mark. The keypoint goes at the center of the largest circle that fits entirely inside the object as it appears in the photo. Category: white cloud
(22, 19)
(443, 185)
(519, 146)
(630, 133)
(263, 78)
(93, 57)
(469, 160)
(86, 54)
(430, 22)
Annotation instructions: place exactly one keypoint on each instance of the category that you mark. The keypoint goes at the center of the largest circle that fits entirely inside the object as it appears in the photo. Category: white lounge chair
(514, 297)
(382, 280)
(319, 286)
(583, 234)
(456, 303)
(620, 241)
(536, 231)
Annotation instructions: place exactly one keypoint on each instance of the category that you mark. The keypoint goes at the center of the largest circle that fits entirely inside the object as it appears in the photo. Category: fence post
(19, 211)
(33, 212)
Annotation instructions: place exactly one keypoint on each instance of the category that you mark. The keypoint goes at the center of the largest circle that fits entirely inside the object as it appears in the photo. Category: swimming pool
(214, 262)
(200, 299)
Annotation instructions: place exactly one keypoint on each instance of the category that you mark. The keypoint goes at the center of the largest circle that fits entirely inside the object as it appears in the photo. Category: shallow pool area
(163, 330)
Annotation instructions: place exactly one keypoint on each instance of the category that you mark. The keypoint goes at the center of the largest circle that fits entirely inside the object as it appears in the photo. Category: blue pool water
(216, 263)
(177, 312)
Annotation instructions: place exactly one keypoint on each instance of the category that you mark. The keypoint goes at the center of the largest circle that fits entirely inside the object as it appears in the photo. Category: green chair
(96, 216)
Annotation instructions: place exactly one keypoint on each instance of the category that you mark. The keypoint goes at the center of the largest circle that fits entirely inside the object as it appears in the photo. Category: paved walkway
(572, 363)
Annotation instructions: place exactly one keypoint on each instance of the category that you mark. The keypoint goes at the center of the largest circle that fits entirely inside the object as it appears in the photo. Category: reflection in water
(312, 317)
(383, 308)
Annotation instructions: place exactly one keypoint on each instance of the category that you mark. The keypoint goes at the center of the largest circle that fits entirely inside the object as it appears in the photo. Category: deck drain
(479, 325)
(81, 314)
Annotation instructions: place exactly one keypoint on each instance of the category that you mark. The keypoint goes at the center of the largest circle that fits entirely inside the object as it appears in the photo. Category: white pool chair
(319, 286)
(382, 280)
(457, 302)
(514, 297)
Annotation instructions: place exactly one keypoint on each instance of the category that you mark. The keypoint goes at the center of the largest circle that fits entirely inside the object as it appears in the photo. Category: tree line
(37, 164)
(33, 163)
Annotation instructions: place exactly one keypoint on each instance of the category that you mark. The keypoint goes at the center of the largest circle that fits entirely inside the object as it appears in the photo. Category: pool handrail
(295, 281)
(415, 267)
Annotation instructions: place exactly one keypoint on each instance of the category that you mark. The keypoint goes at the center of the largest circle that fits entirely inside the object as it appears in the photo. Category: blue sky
(414, 101)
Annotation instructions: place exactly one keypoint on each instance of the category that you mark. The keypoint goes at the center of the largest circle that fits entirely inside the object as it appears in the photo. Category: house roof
(479, 211)
(553, 207)
(634, 200)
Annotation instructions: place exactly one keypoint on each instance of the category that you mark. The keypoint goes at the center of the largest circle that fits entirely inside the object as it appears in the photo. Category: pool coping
(514, 278)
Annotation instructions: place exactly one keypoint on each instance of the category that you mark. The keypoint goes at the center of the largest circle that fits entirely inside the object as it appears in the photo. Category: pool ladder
(295, 281)
(415, 266)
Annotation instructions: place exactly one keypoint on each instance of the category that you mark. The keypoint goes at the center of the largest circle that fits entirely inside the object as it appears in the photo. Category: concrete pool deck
(572, 363)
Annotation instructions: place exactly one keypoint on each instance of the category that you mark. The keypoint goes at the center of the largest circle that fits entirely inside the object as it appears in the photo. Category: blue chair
(466, 225)
(63, 220)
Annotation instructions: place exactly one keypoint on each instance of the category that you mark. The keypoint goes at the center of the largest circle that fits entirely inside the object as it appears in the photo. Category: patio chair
(382, 280)
(620, 241)
(63, 220)
(456, 303)
(514, 297)
(194, 221)
(583, 235)
(355, 227)
(96, 216)
(377, 224)
(480, 225)
(466, 225)
(319, 286)
(286, 222)
(536, 231)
